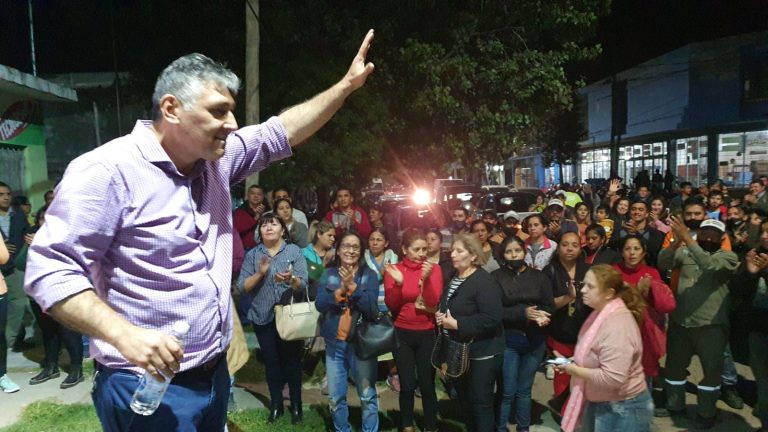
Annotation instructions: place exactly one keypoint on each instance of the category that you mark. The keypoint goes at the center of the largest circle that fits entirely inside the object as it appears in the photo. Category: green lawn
(53, 417)
(48, 416)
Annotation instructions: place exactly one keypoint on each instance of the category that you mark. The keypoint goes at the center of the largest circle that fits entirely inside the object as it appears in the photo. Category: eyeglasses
(352, 247)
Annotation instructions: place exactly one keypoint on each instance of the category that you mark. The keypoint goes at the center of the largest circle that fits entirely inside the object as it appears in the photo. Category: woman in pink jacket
(608, 389)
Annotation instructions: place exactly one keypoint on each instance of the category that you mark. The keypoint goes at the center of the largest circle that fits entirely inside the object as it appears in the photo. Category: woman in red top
(412, 290)
(658, 298)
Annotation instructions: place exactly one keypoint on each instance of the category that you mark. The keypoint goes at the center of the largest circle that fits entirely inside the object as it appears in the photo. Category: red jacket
(245, 227)
(658, 301)
(400, 299)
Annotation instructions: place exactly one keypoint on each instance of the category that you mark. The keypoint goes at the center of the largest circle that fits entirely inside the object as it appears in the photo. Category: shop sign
(16, 119)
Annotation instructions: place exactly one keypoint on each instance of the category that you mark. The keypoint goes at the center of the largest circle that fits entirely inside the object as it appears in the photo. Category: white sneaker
(8, 385)
(549, 372)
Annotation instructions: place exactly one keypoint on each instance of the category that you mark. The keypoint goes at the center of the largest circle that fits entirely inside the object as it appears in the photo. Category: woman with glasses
(273, 271)
(347, 291)
(566, 274)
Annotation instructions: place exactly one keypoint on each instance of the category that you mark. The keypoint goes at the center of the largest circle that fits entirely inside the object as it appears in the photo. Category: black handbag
(450, 357)
(373, 338)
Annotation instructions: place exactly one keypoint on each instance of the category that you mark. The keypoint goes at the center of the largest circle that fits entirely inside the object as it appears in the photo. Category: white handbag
(297, 321)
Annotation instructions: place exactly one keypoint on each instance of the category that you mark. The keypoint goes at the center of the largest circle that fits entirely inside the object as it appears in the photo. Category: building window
(743, 156)
(691, 160)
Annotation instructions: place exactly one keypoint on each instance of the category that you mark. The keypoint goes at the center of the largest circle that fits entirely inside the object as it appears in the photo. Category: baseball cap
(712, 223)
(511, 214)
(556, 202)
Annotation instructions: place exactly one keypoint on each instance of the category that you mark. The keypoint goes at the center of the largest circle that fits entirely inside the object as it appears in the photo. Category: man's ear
(169, 108)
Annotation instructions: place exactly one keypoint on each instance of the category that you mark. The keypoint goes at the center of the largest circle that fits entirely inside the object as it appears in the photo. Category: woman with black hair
(657, 296)
(483, 231)
(273, 271)
(596, 250)
(347, 290)
(436, 255)
(528, 304)
(297, 231)
(566, 273)
(538, 248)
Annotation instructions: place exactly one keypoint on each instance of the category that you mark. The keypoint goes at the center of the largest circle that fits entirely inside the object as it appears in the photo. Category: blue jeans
(729, 375)
(630, 415)
(195, 401)
(518, 372)
(340, 360)
(282, 364)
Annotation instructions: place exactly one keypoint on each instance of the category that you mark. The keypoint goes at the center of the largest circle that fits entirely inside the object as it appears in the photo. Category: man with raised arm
(147, 219)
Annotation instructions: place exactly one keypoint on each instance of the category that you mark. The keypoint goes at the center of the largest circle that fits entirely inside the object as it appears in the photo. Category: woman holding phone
(273, 271)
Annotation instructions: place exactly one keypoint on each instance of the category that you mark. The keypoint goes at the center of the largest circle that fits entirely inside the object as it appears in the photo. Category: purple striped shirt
(156, 244)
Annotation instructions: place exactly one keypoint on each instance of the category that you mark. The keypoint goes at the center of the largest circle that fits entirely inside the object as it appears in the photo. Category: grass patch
(53, 417)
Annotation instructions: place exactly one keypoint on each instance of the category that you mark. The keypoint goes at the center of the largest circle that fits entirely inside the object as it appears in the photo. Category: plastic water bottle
(150, 392)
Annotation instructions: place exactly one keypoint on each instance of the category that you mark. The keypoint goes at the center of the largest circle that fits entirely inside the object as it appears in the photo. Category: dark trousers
(282, 363)
(707, 342)
(54, 334)
(3, 343)
(476, 393)
(196, 400)
(414, 365)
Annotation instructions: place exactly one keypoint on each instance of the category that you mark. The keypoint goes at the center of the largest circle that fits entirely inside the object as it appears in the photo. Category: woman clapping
(412, 291)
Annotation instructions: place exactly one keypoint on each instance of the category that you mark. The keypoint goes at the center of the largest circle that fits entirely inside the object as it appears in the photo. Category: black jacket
(19, 227)
(476, 306)
(605, 255)
(518, 292)
(567, 321)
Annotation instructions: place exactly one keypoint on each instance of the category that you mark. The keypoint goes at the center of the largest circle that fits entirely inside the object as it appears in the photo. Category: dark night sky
(74, 35)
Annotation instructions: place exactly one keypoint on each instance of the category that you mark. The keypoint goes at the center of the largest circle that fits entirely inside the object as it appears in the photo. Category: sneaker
(731, 398)
(393, 381)
(549, 372)
(8, 385)
(73, 378)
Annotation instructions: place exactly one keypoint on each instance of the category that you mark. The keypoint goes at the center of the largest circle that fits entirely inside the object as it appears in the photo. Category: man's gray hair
(187, 76)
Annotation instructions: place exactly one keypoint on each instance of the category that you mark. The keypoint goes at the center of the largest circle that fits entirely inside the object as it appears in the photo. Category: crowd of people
(608, 282)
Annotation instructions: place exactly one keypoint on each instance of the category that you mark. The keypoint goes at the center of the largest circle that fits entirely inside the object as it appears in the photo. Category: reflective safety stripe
(705, 388)
(678, 383)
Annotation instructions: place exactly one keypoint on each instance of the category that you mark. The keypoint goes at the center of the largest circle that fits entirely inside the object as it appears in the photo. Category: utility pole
(251, 73)
(32, 38)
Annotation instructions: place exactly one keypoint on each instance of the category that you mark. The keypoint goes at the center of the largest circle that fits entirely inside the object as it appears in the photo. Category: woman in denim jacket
(347, 290)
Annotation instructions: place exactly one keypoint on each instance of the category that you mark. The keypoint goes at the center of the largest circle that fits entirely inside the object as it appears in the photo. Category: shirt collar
(154, 152)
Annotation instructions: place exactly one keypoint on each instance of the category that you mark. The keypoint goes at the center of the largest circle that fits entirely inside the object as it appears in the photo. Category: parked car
(506, 201)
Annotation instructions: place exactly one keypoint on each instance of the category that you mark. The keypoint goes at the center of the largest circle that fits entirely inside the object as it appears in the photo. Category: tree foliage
(467, 81)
